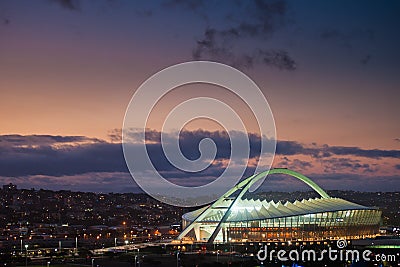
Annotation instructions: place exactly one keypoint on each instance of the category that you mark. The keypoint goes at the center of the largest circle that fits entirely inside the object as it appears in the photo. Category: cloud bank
(45, 158)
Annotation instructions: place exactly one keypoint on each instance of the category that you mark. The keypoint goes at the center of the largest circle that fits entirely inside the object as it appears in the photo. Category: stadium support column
(197, 232)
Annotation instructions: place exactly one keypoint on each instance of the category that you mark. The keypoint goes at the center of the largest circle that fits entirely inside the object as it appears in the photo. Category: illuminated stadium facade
(233, 218)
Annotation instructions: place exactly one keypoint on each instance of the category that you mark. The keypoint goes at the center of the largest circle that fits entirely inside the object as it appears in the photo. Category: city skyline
(328, 70)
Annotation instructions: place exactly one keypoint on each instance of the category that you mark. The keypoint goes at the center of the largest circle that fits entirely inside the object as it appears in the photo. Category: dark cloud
(190, 139)
(295, 164)
(368, 153)
(289, 148)
(260, 18)
(15, 140)
(214, 47)
(279, 59)
(6, 21)
(334, 165)
(72, 155)
(56, 155)
(73, 5)
(115, 135)
(397, 166)
(76, 5)
(47, 160)
(366, 59)
(293, 148)
(397, 139)
(257, 20)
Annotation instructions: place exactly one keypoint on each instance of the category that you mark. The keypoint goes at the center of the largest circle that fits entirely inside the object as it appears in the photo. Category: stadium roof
(250, 209)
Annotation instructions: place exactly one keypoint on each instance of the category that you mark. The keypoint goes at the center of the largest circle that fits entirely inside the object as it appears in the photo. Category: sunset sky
(329, 70)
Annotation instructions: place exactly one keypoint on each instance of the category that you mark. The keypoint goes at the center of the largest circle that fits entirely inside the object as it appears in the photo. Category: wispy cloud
(347, 38)
(216, 45)
(73, 5)
(366, 59)
(350, 39)
(335, 165)
(294, 164)
(257, 21)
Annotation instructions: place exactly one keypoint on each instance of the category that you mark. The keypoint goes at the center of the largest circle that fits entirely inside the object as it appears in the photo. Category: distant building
(233, 218)
(9, 187)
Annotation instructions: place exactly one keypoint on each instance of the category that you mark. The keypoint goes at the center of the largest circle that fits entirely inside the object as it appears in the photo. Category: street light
(92, 262)
(48, 264)
(138, 257)
(177, 259)
(126, 246)
(26, 255)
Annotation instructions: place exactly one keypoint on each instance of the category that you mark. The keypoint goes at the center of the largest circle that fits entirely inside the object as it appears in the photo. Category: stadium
(233, 218)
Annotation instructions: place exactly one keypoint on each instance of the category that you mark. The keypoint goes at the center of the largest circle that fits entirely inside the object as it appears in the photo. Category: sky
(329, 70)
